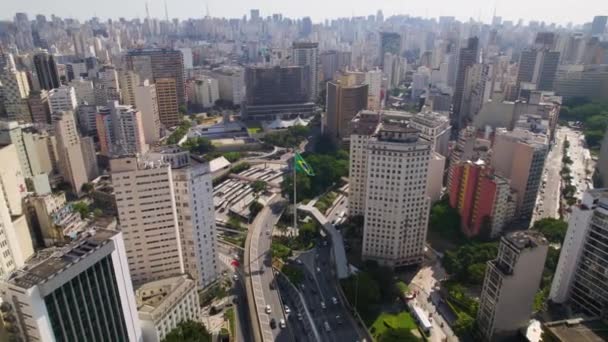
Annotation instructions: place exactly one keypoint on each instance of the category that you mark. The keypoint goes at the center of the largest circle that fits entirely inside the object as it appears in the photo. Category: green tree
(188, 331)
(82, 208)
(255, 207)
(476, 272)
(553, 229)
(445, 220)
(198, 145)
(179, 133)
(361, 290)
(234, 223)
(258, 186)
(87, 188)
(280, 251)
(463, 325)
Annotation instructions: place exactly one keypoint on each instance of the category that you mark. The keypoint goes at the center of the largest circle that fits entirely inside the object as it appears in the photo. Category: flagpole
(295, 210)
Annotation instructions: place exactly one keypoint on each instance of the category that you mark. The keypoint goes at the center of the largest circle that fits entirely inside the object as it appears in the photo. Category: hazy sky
(559, 11)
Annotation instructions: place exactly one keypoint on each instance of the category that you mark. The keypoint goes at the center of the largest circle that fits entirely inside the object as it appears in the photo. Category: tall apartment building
(155, 64)
(581, 275)
(167, 100)
(433, 127)
(46, 70)
(396, 163)
(277, 91)
(343, 103)
(510, 284)
(38, 103)
(519, 155)
(15, 91)
(475, 92)
(390, 42)
(394, 67)
(205, 92)
(146, 101)
(484, 200)
(85, 91)
(107, 87)
(11, 132)
(78, 292)
(128, 81)
(537, 67)
(231, 81)
(165, 207)
(307, 54)
(466, 58)
(163, 304)
(120, 130)
(71, 160)
(63, 99)
(373, 79)
(598, 26)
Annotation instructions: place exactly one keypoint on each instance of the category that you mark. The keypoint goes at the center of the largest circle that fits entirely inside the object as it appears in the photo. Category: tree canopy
(593, 115)
(188, 331)
(445, 220)
(553, 229)
(291, 137)
(198, 145)
(468, 262)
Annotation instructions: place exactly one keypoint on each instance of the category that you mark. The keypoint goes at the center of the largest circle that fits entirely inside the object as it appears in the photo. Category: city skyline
(183, 9)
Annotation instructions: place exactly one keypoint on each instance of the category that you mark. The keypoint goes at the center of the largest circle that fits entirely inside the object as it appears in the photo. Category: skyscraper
(71, 160)
(15, 90)
(120, 130)
(154, 64)
(307, 54)
(75, 292)
(581, 275)
(38, 102)
(390, 42)
(466, 58)
(598, 26)
(343, 103)
(146, 101)
(166, 97)
(62, 99)
(46, 70)
(510, 284)
(396, 163)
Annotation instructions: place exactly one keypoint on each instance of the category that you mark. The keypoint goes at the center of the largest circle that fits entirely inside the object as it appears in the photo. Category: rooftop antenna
(166, 12)
(207, 7)
(147, 11)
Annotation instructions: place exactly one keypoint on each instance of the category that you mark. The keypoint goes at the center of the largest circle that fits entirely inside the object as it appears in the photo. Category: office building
(167, 100)
(589, 81)
(277, 92)
(598, 26)
(467, 57)
(394, 67)
(11, 132)
(519, 155)
(40, 110)
(390, 42)
(46, 70)
(483, 199)
(85, 91)
(510, 284)
(173, 229)
(375, 97)
(71, 160)
(580, 277)
(435, 128)
(231, 82)
(396, 162)
(120, 130)
(475, 92)
(343, 103)
(155, 64)
(62, 99)
(146, 101)
(164, 303)
(206, 91)
(435, 177)
(78, 292)
(332, 61)
(307, 54)
(15, 91)
(128, 81)
(537, 67)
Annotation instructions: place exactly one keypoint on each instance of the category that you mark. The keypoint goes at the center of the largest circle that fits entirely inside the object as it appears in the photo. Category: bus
(422, 318)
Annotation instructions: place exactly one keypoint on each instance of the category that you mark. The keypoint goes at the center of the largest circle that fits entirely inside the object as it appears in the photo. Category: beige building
(71, 161)
(435, 176)
(146, 102)
(343, 103)
(166, 95)
(40, 110)
(163, 304)
(12, 181)
(129, 80)
(62, 99)
(435, 128)
(510, 284)
(396, 204)
(85, 92)
(15, 90)
(56, 217)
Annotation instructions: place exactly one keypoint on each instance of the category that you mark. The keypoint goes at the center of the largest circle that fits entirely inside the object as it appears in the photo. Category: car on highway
(326, 326)
(323, 306)
(334, 300)
(268, 309)
(318, 270)
(299, 262)
(339, 319)
(282, 323)
(273, 323)
(235, 277)
(300, 317)
(287, 310)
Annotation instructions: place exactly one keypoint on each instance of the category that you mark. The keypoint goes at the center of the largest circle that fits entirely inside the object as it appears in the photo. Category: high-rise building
(519, 155)
(307, 54)
(394, 68)
(581, 275)
(154, 64)
(15, 91)
(484, 200)
(129, 80)
(598, 26)
(62, 99)
(70, 157)
(85, 91)
(163, 304)
(390, 42)
(107, 87)
(206, 91)
(373, 79)
(396, 162)
(11, 132)
(46, 70)
(120, 130)
(537, 66)
(74, 292)
(173, 229)
(277, 91)
(435, 128)
(510, 284)
(40, 109)
(475, 92)
(466, 58)
(166, 97)
(343, 103)
(145, 99)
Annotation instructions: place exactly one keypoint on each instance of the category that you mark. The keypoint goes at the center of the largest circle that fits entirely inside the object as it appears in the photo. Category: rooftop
(578, 330)
(526, 239)
(49, 262)
(151, 295)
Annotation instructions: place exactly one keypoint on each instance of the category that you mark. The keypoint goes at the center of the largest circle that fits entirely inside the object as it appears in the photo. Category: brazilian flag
(302, 165)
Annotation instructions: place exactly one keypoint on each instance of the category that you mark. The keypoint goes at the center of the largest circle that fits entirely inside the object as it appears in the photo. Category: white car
(287, 309)
(323, 306)
(334, 300)
(268, 309)
(282, 323)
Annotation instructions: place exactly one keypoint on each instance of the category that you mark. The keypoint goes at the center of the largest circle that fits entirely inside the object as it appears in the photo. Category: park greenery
(179, 132)
(289, 138)
(229, 316)
(308, 232)
(568, 190)
(188, 331)
(553, 229)
(280, 251)
(467, 263)
(463, 306)
(444, 221)
(259, 186)
(254, 208)
(230, 156)
(198, 145)
(592, 115)
(326, 201)
(394, 328)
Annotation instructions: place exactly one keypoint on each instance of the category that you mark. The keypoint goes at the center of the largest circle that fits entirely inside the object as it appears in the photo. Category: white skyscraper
(84, 91)
(62, 99)
(307, 54)
(15, 90)
(71, 161)
(146, 102)
(396, 165)
(120, 130)
(373, 78)
(74, 292)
